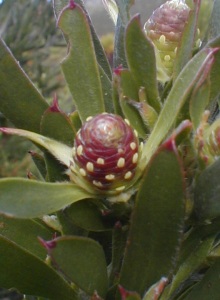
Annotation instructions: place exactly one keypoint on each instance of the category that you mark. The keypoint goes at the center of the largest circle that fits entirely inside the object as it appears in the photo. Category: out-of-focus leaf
(81, 71)
(208, 287)
(30, 275)
(11, 294)
(85, 214)
(141, 61)
(20, 101)
(185, 50)
(25, 234)
(100, 53)
(156, 223)
(206, 194)
(112, 9)
(176, 99)
(23, 198)
(82, 260)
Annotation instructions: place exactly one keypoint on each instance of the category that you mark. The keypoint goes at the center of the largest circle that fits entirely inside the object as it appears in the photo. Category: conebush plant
(126, 203)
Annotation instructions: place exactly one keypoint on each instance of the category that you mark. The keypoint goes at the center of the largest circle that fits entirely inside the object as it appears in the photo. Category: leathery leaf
(20, 101)
(30, 275)
(82, 260)
(81, 71)
(178, 95)
(156, 222)
(23, 198)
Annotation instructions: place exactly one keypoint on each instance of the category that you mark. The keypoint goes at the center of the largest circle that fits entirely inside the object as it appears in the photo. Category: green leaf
(30, 275)
(56, 172)
(119, 58)
(197, 234)
(215, 74)
(39, 162)
(99, 51)
(128, 85)
(123, 9)
(185, 51)
(82, 260)
(23, 198)
(208, 287)
(156, 290)
(107, 91)
(156, 222)
(141, 61)
(176, 99)
(75, 119)
(214, 24)
(192, 263)
(20, 101)
(132, 114)
(119, 239)
(199, 101)
(206, 194)
(86, 215)
(112, 9)
(60, 151)
(25, 234)
(80, 66)
(56, 124)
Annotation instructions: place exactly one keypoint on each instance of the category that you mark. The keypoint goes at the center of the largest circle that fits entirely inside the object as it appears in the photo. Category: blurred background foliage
(28, 27)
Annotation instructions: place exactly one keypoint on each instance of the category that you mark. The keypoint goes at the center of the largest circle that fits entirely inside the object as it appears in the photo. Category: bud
(106, 152)
(165, 28)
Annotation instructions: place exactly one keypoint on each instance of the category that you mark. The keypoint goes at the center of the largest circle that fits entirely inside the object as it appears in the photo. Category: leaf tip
(170, 144)
(4, 129)
(48, 245)
(118, 225)
(117, 71)
(55, 106)
(123, 292)
(72, 4)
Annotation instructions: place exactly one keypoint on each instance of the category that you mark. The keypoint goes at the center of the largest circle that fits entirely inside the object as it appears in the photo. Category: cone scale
(106, 152)
(165, 28)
